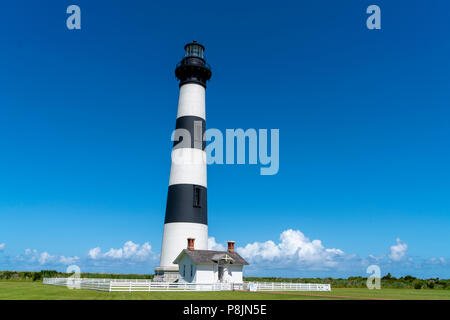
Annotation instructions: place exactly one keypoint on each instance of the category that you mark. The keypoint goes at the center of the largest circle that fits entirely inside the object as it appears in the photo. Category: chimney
(190, 244)
(230, 246)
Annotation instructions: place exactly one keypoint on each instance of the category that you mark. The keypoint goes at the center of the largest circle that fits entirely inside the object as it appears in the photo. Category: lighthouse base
(166, 274)
(174, 240)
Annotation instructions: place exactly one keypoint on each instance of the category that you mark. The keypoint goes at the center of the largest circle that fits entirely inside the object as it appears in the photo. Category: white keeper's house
(209, 266)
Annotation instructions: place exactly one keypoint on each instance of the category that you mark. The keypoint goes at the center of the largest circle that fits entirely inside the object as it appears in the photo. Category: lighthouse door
(220, 273)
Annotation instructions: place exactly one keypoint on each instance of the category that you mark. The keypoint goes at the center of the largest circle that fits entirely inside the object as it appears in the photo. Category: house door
(220, 273)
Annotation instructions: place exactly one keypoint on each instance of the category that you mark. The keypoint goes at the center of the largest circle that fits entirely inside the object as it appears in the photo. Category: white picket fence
(286, 286)
(147, 285)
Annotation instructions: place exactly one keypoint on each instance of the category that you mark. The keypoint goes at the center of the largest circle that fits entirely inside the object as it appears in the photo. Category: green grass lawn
(28, 290)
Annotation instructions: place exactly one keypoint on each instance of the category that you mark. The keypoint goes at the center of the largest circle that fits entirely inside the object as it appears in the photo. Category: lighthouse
(186, 208)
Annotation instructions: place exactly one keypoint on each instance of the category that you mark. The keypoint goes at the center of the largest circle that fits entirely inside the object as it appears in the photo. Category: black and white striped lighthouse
(186, 209)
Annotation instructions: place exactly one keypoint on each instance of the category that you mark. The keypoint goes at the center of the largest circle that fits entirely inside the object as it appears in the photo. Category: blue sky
(86, 118)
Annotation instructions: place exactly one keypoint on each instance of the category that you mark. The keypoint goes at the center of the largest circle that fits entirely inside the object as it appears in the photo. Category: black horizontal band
(192, 80)
(193, 70)
(185, 128)
(182, 205)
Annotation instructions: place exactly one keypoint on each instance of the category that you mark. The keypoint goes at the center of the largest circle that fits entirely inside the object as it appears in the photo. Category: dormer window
(227, 259)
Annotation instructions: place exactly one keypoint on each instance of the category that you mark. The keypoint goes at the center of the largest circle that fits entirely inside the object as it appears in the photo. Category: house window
(184, 270)
(192, 270)
(197, 197)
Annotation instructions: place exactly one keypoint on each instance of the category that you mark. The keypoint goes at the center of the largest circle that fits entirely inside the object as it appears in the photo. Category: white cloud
(129, 252)
(294, 249)
(94, 253)
(267, 250)
(293, 252)
(398, 251)
(68, 260)
(2, 246)
(44, 258)
(437, 261)
(213, 245)
(374, 258)
(114, 253)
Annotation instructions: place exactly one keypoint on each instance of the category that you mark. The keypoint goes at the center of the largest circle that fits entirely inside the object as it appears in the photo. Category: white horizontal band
(175, 239)
(191, 101)
(188, 167)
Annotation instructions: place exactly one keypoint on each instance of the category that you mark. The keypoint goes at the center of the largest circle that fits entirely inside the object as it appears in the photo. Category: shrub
(409, 278)
(417, 284)
(387, 277)
(36, 276)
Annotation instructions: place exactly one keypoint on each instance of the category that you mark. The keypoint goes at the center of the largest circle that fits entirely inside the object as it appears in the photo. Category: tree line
(39, 275)
(388, 281)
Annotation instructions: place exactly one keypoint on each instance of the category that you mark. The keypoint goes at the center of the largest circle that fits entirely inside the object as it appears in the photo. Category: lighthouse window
(197, 197)
(198, 134)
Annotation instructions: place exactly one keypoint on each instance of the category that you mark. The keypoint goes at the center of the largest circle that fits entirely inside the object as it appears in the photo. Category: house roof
(211, 256)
